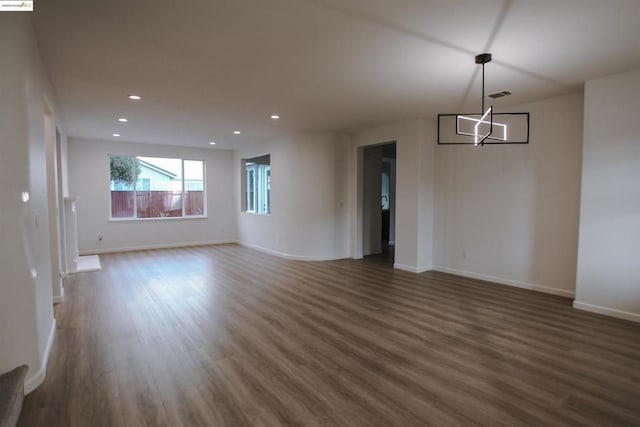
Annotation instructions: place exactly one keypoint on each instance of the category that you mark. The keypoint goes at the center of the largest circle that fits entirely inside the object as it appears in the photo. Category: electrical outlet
(99, 238)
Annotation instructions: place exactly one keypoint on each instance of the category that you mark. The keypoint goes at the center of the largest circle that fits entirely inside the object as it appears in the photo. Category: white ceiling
(207, 67)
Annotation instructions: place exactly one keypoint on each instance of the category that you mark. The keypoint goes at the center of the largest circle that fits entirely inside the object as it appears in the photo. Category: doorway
(379, 201)
(51, 141)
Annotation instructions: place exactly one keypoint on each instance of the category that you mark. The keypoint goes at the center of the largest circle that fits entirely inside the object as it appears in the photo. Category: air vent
(499, 94)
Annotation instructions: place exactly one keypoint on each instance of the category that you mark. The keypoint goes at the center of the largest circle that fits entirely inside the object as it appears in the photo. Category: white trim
(634, 317)
(59, 298)
(254, 213)
(157, 218)
(34, 380)
(87, 263)
(159, 246)
(293, 257)
(411, 269)
(509, 282)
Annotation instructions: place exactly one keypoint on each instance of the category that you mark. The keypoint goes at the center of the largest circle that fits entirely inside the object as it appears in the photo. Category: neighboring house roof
(157, 169)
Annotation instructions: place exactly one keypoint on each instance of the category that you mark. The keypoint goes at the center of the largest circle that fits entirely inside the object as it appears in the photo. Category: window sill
(255, 213)
(166, 218)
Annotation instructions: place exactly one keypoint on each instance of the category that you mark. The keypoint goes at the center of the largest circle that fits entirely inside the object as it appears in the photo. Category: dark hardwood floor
(224, 335)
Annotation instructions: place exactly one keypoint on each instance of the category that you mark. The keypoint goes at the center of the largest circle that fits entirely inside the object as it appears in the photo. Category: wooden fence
(156, 204)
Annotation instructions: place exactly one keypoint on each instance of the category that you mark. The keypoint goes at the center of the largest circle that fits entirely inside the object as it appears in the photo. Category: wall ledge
(36, 378)
(293, 257)
(612, 312)
(151, 247)
(508, 282)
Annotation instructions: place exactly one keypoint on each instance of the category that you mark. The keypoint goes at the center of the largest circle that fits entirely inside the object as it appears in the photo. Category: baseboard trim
(59, 298)
(151, 247)
(626, 315)
(34, 380)
(410, 268)
(290, 256)
(508, 282)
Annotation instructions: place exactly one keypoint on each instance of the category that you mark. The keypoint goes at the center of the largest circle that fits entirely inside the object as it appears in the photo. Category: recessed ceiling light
(135, 97)
(275, 116)
(212, 143)
(116, 134)
(237, 132)
(123, 120)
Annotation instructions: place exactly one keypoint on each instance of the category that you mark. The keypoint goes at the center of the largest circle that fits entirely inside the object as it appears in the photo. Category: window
(164, 187)
(257, 184)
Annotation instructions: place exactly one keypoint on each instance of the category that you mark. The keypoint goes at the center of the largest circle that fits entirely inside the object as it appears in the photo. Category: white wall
(608, 264)
(55, 236)
(509, 214)
(308, 217)
(26, 312)
(426, 194)
(414, 191)
(89, 179)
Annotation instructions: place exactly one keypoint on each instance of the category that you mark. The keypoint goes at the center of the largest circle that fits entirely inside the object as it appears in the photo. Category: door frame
(359, 226)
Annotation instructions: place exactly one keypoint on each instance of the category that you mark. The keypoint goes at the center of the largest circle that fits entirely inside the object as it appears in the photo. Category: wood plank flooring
(224, 335)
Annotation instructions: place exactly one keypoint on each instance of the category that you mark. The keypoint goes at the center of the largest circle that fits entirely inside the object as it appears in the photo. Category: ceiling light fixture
(237, 132)
(275, 116)
(212, 143)
(135, 97)
(480, 128)
(116, 134)
(123, 120)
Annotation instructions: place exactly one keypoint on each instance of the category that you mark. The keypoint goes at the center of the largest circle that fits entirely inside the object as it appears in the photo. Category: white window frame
(262, 187)
(259, 202)
(183, 198)
(252, 201)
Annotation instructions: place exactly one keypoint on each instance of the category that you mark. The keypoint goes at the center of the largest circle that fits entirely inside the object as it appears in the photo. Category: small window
(164, 187)
(257, 184)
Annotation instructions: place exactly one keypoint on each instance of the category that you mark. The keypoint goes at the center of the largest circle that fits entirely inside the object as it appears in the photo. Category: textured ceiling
(205, 68)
